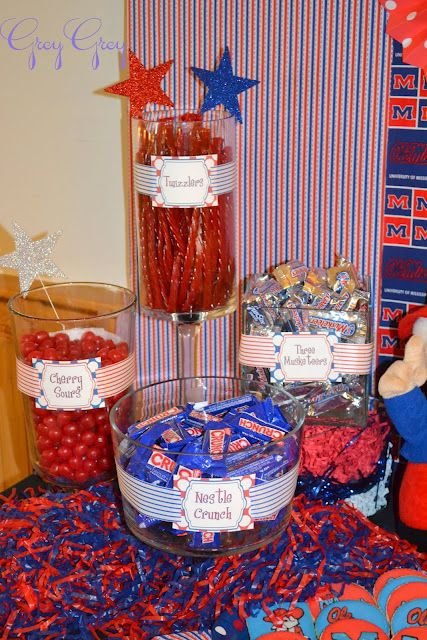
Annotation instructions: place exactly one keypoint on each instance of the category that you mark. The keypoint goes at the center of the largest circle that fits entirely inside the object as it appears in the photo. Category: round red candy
(74, 446)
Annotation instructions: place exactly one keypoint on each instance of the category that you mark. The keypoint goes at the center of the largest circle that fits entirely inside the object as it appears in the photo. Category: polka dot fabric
(407, 23)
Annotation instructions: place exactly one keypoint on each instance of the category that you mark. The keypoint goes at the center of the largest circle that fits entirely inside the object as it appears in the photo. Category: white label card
(215, 504)
(305, 357)
(68, 385)
(184, 181)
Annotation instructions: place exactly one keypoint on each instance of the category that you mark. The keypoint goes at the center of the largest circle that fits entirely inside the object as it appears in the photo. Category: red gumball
(73, 446)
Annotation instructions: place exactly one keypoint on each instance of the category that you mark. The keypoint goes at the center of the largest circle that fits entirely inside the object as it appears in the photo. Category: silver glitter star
(31, 257)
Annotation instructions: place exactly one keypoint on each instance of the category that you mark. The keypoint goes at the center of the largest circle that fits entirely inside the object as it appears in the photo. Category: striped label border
(222, 177)
(348, 357)
(109, 380)
(165, 504)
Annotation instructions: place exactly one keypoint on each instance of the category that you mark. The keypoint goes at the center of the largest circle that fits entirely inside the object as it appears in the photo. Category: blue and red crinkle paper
(69, 568)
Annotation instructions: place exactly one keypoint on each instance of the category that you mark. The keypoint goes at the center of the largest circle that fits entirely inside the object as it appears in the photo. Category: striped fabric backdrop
(311, 147)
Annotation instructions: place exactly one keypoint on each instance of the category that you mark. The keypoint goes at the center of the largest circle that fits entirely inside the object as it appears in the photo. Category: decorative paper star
(143, 85)
(31, 257)
(223, 86)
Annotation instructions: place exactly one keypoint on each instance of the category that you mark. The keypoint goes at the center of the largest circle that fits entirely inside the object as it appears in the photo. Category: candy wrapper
(309, 329)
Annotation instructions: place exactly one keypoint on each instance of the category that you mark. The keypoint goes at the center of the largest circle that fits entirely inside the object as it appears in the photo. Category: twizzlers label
(184, 181)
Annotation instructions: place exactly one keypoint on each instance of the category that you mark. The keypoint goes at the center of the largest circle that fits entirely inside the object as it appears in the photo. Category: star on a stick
(223, 86)
(143, 85)
(31, 258)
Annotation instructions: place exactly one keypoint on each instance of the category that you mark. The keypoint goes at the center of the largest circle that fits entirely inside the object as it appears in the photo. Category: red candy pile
(344, 454)
(73, 447)
(187, 254)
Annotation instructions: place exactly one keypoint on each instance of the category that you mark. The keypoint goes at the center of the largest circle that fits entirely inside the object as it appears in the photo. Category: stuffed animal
(406, 405)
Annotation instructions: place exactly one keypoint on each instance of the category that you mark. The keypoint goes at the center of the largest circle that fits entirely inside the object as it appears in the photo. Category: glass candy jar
(184, 176)
(75, 358)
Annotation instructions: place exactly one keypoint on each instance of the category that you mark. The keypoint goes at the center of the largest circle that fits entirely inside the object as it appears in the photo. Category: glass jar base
(179, 545)
(187, 501)
(191, 317)
(70, 485)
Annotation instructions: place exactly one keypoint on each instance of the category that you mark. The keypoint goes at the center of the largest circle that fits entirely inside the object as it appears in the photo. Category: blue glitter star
(223, 86)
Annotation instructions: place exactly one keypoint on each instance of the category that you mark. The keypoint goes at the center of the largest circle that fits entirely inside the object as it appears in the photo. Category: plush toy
(406, 405)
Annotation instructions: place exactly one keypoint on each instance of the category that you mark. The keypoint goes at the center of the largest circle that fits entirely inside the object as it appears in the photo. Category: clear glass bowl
(205, 504)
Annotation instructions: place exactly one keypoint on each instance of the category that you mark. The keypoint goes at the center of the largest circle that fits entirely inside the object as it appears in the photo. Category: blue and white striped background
(312, 145)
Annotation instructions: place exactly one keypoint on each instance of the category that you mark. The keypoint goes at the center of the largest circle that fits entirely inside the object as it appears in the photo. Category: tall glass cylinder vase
(184, 177)
(75, 358)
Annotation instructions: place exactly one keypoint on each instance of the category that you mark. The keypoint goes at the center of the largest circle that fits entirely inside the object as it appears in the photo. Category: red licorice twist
(186, 254)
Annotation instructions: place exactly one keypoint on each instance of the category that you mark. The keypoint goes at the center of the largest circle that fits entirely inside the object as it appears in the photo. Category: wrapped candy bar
(314, 338)
(290, 273)
(255, 429)
(159, 468)
(237, 445)
(342, 276)
(145, 426)
(321, 296)
(174, 437)
(219, 479)
(199, 419)
(216, 441)
(221, 407)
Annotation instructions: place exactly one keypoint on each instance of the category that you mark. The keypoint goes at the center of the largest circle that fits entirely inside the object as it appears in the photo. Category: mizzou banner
(404, 236)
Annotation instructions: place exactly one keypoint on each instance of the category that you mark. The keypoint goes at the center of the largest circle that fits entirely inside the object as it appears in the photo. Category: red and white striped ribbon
(257, 351)
(27, 379)
(116, 377)
(348, 357)
(353, 358)
(185, 635)
(110, 380)
(164, 503)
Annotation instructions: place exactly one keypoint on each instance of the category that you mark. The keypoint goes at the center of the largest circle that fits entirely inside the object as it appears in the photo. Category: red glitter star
(143, 85)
